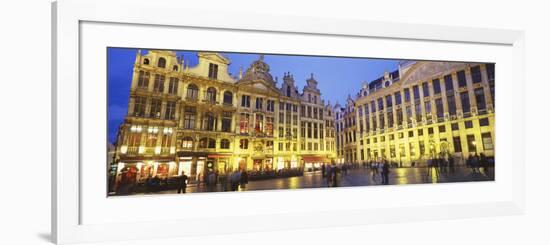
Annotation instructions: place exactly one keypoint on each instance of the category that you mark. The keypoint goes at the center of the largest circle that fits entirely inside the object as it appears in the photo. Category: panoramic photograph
(191, 121)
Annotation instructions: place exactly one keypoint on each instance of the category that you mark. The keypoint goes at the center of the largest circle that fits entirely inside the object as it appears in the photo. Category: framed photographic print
(205, 124)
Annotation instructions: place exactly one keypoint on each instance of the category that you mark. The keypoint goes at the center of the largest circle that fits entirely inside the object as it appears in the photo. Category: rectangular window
(309, 112)
(269, 126)
(418, 111)
(159, 83)
(156, 106)
(448, 83)
(380, 104)
(480, 99)
(471, 143)
(439, 107)
(259, 103)
(245, 101)
(281, 132)
(397, 96)
(451, 104)
(389, 102)
(270, 105)
(468, 124)
(189, 118)
(170, 110)
(420, 132)
(407, 95)
(461, 75)
(437, 86)
(259, 124)
(139, 106)
(226, 121)
(457, 144)
(302, 111)
(465, 100)
(315, 113)
(143, 79)
(173, 85)
(454, 126)
(309, 130)
(484, 122)
(476, 74)
(321, 114)
(442, 129)
(425, 89)
(487, 141)
(213, 71)
(399, 113)
(243, 124)
(303, 129)
(315, 131)
(416, 92)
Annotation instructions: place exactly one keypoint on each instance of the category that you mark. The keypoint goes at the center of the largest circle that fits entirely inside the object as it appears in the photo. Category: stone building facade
(421, 110)
(199, 119)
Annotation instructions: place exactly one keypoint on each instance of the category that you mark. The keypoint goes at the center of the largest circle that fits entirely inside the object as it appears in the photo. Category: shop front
(262, 164)
(314, 163)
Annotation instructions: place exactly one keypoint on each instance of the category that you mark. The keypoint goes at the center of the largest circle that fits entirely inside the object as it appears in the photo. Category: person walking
(323, 170)
(385, 173)
(235, 180)
(451, 164)
(244, 180)
(335, 176)
(329, 175)
(182, 183)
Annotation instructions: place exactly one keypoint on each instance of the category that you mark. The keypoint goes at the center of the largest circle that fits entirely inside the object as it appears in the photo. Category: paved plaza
(360, 177)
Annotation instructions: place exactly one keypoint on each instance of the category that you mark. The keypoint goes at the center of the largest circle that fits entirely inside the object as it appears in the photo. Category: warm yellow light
(157, 150)
(123, 149)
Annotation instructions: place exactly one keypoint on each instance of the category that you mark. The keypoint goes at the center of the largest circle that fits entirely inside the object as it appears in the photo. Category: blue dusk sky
(337, 77)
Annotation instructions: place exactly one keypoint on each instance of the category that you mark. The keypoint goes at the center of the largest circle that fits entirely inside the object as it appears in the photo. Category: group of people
(440, 164)
(381, 167)
(232, 181)
(475, 163)
(331, 172)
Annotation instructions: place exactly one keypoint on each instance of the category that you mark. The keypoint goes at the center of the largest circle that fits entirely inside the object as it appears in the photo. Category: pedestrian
(429, 164)
(323, 170)
(244, 180)
(223, 181)
(436, 164)
(235, 180)
(335, 176)
(182, 183)
(211, 182)
(451, 164)
(385, 173)
(381, 168)
(329, 175)
(483, 162)
(374, 169)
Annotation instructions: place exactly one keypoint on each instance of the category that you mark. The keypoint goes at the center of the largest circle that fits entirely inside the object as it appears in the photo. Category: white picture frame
(67, 200)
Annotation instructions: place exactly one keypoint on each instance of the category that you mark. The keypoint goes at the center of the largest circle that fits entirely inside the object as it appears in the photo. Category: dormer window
(146, 61)
(161, 63)
(213, 71)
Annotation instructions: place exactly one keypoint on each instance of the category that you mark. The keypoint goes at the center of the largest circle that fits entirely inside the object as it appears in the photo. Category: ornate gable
(426, 70)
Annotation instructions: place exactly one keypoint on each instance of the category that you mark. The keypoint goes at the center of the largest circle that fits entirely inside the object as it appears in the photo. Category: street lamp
(475, 147)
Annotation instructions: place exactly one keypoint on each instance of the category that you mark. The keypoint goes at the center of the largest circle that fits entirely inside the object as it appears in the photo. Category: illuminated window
(243, 144)
(487, 141)
(187, 143)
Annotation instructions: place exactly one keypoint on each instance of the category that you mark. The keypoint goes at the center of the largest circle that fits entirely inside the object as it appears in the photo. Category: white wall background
(25, 122)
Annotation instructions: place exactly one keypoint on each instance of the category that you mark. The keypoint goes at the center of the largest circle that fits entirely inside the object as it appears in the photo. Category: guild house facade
(200, 119)
(421, 110)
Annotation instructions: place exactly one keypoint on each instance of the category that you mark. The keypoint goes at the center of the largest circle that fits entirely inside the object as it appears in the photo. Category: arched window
(211, 94)
(243, 144)
(228, 98)
(288, 90)
(203, 143)
(192, 91)
(209, 121)
(175, 68)
(146, 61)
(187, 143)
(211, 143)
(224, 144)
(162, 62)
